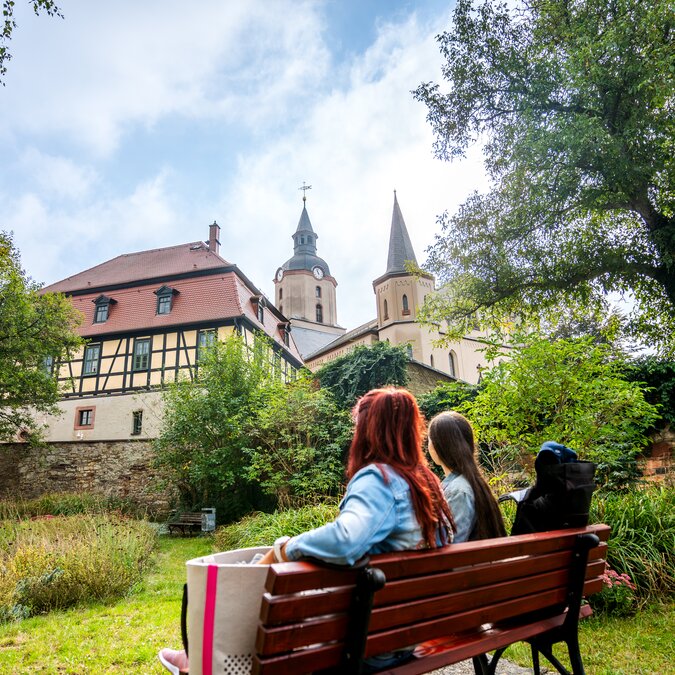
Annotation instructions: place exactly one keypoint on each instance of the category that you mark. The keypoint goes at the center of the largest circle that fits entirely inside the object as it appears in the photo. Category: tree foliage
(240, 439)
(298, 444)
(446, 396)
(9, 24)
(36, 331)
(364, 368)
(202, 445)
(659, 377)
(575, 105)
(571, 391)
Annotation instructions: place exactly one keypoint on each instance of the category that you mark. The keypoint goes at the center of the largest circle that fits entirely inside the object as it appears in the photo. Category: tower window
(261, 313)
(409, 350)
(431, 360)
(406, 308)
(281, 293)
(452, 364)
(386, 310)
(317, 291)
(319, 314)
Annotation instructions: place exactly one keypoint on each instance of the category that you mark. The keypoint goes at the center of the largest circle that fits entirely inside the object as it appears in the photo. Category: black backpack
(561, 495)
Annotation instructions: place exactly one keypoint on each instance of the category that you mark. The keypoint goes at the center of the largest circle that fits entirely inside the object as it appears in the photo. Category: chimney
(214, 237)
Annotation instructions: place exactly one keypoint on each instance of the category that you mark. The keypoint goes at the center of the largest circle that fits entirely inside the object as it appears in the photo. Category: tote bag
(223, 609)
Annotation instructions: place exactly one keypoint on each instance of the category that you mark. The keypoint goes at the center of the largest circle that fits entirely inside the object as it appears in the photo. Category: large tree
(574, 102)
(36, 331)
(9, 24)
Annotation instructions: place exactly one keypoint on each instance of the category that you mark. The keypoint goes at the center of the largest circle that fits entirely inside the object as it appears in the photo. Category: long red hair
(389, 430)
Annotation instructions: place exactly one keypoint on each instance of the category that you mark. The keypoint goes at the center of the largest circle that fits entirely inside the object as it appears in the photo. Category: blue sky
(134, 124)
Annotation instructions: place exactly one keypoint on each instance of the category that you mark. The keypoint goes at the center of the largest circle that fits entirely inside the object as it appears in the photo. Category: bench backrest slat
(427, 595)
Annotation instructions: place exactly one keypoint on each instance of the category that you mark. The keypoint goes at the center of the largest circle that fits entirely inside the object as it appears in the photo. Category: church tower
(400, 294)
(305, 291)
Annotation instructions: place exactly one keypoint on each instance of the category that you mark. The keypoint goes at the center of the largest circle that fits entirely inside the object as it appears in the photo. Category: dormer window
(285, 330)
(165, 299)
(103, 303)
(258, 302)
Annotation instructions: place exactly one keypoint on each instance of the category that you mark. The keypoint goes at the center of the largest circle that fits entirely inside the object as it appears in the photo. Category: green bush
(54, 562)
(261, 529)
(642, 542)
(67, 504)
(366, 367)
(446, 396)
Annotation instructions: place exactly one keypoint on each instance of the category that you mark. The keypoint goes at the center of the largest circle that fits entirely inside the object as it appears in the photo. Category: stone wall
(109, 468)
(422, 380)
(657, 463)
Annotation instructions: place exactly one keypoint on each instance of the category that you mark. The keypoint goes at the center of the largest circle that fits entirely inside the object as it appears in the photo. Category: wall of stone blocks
(120, 469)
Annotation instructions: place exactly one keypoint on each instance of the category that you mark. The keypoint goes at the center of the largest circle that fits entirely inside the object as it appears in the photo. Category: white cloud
(352, 130)
(110, 65)
(356, 146)
(59, 242)
(57, 176)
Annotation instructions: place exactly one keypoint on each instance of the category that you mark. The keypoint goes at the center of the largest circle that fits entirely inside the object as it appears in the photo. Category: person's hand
(267, 559)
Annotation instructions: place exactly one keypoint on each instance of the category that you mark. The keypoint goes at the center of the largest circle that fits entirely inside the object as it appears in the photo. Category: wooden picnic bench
(189, 521)
(455, 603)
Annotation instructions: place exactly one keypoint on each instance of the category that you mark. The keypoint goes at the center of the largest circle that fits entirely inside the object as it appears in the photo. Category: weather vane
(304, 189)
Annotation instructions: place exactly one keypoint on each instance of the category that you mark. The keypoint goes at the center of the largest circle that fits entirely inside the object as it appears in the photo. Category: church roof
(400, 247)
(304, 247)
(304, 224)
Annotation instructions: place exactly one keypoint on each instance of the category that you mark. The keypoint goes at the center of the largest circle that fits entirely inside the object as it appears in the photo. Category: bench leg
(535, 660)
(481, 665)
(575, 656)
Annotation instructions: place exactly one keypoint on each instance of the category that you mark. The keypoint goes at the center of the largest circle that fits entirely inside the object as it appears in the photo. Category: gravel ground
(466, 668)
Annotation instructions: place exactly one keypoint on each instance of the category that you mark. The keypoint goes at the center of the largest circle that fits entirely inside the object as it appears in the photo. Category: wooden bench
(454, 603)
(190, 521)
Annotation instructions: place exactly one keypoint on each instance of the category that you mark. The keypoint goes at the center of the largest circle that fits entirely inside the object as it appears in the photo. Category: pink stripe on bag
(209, 619)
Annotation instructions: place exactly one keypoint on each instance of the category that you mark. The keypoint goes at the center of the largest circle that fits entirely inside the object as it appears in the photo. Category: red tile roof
(205, 298)
(130, 267)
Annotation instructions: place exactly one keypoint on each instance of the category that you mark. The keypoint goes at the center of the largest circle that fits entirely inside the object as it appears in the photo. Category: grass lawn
(125, 637)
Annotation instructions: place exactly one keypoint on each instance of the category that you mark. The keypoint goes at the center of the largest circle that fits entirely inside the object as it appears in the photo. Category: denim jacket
(459, 495)
(376, 515)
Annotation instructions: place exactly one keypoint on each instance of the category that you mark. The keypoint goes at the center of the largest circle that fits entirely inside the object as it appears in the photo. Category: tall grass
(642, 542)
(56, 562)
(261, 529)
(67, 504)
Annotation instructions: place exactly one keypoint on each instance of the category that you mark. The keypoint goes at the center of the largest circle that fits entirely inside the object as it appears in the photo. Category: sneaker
(176, 662)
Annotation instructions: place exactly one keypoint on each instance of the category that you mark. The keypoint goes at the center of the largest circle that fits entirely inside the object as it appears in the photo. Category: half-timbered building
(147, 316)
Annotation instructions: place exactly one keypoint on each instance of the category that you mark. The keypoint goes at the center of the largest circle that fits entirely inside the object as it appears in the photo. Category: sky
(134, 124)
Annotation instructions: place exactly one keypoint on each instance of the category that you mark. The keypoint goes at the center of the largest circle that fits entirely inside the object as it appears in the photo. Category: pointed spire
(400, 247)
(304, 239)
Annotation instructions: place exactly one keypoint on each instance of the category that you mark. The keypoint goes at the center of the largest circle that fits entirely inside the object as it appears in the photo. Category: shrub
(261, 529)
(298, 440)
(571, 391)
(642, 542)
(364, 368)
(446, 396)
(56, 562)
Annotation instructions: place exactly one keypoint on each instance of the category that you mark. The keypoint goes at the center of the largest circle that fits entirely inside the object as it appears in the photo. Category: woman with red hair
(393, 502)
